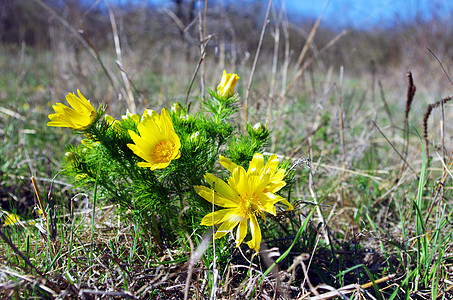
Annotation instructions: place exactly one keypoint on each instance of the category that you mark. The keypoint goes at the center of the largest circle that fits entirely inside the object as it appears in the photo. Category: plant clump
(155, 167)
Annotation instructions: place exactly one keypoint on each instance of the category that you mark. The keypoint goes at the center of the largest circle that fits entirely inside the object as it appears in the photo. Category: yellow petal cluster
(246, 195)
(113, 123)
(158, 144)
(11, 219)
(129, 116)
(226, 86)
(79, 116)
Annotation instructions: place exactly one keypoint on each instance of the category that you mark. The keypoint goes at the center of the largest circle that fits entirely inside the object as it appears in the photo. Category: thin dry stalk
(203, 50)
(40, 282)
(83, 38)
(202, 57)
(260, 43)
(43, 210)
(116, 40)
(442, 129)
(284, 72)
(122, 295)
(214, 260)
(192, 260)
(285, 26)
(393, 147)
(68, 26)
(441, 65)
(346, 289)
(276, 36)
(310, 38)
(439, 194)
(311, 59)
(340, 121)
(386, 106)
(20, 72)
(306, 268)
(13, 114)
(312, 189)
(447, 169)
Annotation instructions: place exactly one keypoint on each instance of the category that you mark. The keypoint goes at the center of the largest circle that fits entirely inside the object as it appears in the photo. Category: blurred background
(161, 36)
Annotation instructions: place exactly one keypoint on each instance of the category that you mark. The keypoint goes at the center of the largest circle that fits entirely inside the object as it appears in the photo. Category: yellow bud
(259, 128)
(71, 157)
(111, 121)
(227, 83)
(195, 138)
(176, 108)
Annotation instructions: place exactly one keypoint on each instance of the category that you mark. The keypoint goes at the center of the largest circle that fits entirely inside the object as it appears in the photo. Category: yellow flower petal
(225, 228)
(220, 216)
(227, 163)
(79, 116)
(257, 162)
(241, 232)
(219, 199)
(255, 242)
(221, 187)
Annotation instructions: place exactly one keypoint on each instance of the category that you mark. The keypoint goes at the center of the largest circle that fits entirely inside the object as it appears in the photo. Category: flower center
(250, 204)
(163, 151)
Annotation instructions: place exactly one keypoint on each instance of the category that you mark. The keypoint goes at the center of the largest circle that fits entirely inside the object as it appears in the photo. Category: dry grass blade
(203, 49)
(50, 221)
(123, 295)
(393, 147)
(20, 72)
(342, 292)
(128, 92)
(386, 106)
(311, 59)
(40, 282)
(202, 57)
(11, 113)
(310, 38)
(260, 43)
(441, 65)
(83, 39)
(68, 26)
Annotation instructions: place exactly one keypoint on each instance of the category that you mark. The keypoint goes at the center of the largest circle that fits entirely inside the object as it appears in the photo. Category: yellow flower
(157, 143)
(11, 218)
(246, 195)
(226, 85)
(79, 117)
